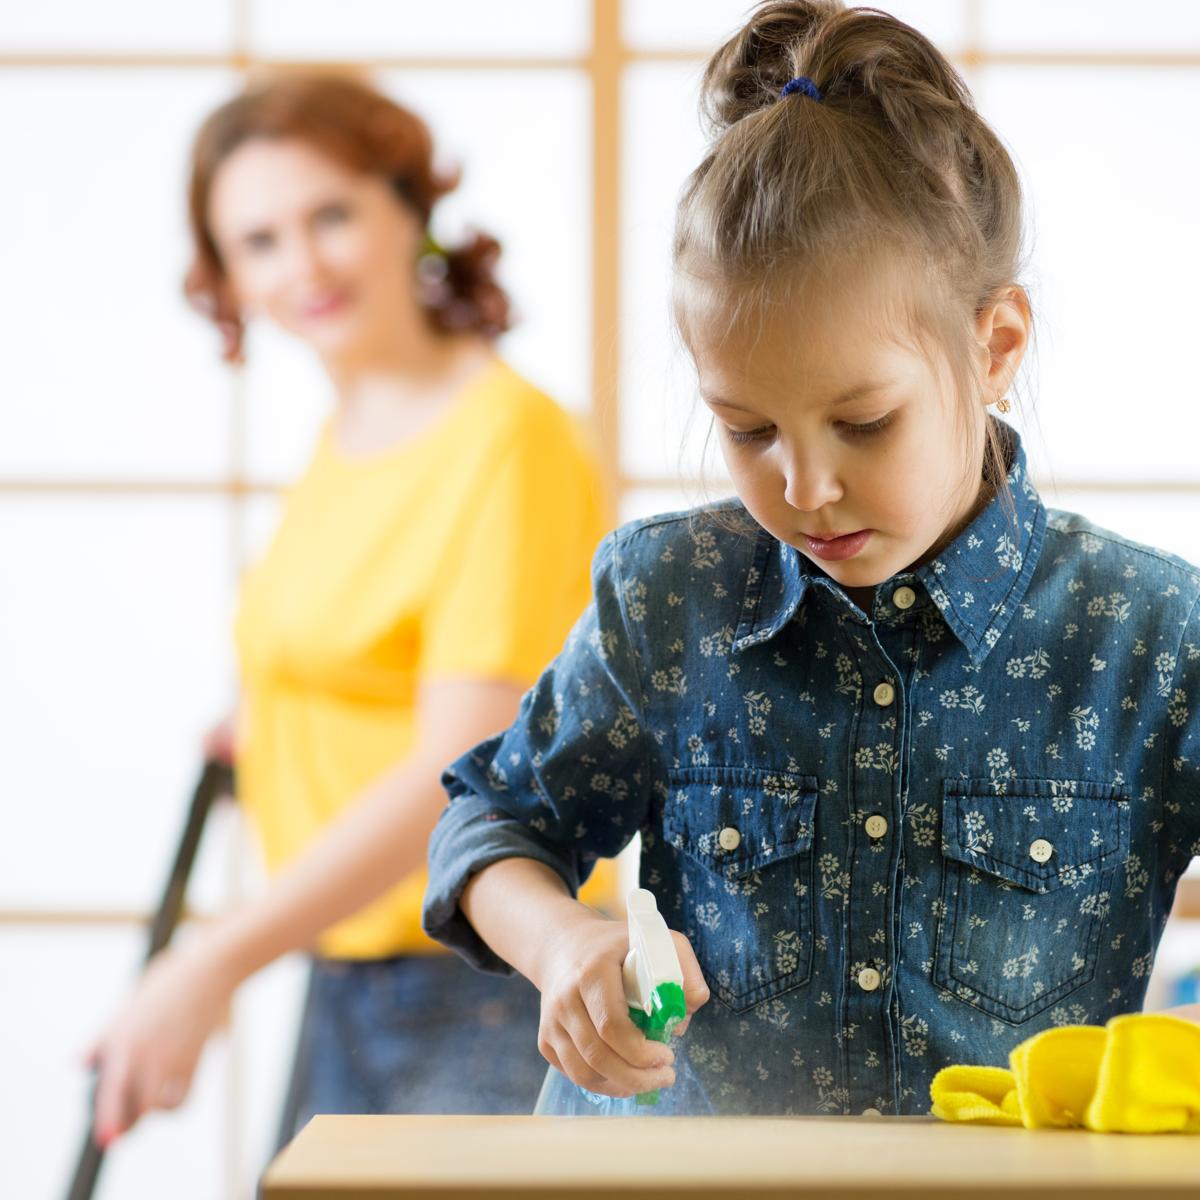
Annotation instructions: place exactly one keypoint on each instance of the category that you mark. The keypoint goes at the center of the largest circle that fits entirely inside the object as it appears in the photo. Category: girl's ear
(1002, 331)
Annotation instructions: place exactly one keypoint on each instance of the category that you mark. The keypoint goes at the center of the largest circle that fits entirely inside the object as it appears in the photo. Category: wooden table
(647, 1158)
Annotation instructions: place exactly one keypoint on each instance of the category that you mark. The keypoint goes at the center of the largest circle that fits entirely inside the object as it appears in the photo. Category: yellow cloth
(462, 553)
(1137, 1074)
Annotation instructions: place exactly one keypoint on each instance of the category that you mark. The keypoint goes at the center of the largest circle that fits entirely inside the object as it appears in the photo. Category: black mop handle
(216, 780)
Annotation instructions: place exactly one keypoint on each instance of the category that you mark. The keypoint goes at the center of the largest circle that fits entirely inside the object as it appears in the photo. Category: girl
(915, 762)
(428, 565)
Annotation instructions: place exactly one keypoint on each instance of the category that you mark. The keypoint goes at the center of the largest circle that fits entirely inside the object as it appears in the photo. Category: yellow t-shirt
(462, 553)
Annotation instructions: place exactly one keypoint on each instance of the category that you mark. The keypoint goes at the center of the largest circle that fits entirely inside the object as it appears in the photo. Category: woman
(429, 563)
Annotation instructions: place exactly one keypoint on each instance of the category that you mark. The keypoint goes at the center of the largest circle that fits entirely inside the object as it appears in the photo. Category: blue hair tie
(801, 83)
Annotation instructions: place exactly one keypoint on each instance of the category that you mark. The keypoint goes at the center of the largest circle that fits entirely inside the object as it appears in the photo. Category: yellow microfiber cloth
(1137, 1074)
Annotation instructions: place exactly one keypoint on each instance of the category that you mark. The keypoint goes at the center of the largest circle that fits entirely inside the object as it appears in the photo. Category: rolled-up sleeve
(568, 783)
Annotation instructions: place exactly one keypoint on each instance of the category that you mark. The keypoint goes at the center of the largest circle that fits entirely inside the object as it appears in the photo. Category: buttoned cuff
(471, 834)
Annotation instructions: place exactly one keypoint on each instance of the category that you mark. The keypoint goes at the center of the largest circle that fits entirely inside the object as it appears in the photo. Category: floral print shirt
(896, 840)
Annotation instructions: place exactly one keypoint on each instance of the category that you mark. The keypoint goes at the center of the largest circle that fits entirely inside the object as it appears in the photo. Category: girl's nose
(809, 485)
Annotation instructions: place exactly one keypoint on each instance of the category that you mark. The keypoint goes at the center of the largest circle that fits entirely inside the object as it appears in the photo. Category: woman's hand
(586, 1031)
(220, 742)
(148, 1054)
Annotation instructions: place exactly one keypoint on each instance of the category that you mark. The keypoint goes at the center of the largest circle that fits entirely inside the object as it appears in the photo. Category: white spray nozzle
(651, 960)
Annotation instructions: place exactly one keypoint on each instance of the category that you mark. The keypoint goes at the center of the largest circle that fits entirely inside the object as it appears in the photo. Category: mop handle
(216, 780)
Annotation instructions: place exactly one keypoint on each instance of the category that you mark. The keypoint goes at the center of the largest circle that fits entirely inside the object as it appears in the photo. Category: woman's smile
(325, 304)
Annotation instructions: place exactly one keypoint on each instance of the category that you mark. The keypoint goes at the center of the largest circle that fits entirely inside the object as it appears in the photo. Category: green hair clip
(431, 246)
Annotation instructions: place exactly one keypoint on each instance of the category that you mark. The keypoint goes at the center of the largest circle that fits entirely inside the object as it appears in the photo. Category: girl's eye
(742, 436)
(869, 427)
(765, 432)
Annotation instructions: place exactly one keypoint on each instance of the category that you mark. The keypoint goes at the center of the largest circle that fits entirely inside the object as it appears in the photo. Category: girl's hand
(586, 1031)
(1189, 1012)
(148, 1054)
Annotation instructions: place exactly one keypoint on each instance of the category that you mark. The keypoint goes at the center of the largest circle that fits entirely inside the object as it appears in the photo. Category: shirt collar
(976, 582)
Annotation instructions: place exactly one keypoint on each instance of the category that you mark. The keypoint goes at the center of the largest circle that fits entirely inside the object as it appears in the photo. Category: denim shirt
(896, 840)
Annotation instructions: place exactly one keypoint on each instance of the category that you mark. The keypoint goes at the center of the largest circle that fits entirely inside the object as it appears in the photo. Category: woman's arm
(149, 1052)
(380, 839)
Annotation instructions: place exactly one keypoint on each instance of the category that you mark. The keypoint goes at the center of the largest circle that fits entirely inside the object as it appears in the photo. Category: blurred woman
(428, 565)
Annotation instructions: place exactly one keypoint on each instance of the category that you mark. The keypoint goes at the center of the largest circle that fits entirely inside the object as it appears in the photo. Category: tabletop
(650, 1158)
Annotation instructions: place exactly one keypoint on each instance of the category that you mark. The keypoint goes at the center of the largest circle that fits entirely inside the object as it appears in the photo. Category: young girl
(915, 762)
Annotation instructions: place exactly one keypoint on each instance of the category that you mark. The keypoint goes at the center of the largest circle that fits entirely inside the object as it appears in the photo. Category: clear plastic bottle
(687, 1097)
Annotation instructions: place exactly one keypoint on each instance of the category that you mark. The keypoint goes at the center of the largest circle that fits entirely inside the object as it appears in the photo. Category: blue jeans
(415, 1034)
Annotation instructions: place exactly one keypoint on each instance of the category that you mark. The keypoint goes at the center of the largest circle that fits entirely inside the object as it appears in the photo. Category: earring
(1003, 405)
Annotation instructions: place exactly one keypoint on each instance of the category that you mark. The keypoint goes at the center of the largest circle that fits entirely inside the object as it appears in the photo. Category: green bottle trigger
(652, 974)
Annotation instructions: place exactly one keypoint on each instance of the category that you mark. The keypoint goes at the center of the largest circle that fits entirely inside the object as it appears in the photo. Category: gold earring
(1003, 405)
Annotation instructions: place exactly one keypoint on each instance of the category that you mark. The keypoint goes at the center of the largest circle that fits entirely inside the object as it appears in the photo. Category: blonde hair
(891, 170)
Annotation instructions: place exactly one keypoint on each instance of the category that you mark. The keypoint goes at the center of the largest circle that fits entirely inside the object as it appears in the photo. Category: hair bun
(461, 290)
(748, 72)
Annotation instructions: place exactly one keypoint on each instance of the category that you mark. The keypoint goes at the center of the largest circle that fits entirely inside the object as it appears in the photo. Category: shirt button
(884, 694)
(729, 838)
(1041, 850)
(868, 979)
(876, 826)
(904, 597)
(871, 1112)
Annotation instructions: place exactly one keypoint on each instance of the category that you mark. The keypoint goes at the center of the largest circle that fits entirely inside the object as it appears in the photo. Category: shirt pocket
(745, 840)
(1026, 882)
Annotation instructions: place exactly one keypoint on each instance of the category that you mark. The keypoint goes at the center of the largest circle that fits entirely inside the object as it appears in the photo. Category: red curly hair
(358, 127)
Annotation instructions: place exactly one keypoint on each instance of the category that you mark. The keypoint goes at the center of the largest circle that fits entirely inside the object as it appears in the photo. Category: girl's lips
(846, 546)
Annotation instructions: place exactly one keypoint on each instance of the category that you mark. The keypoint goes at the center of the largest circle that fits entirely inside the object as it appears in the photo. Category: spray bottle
(652, 975)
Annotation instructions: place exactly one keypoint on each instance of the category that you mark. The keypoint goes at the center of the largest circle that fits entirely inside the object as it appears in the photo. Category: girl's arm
(570, 782)
(518, 906)
(149, 1052)
(573, 955)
